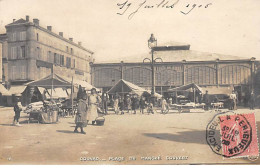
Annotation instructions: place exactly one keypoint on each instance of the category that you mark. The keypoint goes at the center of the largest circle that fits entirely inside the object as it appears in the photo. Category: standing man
(81, 116)
(93, 102)
(252, 101)
(142, 104)
(17, 111)
(128, 103)
(121, 104)
(206, 101)
(135, 103)
(104, 101)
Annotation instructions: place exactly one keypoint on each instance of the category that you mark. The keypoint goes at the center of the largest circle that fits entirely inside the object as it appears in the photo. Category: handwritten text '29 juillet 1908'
(131, 8)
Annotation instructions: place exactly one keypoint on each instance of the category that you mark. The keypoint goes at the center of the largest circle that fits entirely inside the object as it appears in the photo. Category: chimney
(27, 18)
(13, 20)
(36, 22)
(49, 28)
(71, 39)
(61, 34)
(79, 43)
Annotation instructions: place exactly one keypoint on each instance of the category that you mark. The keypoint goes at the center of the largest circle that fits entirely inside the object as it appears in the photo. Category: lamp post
(152, 43)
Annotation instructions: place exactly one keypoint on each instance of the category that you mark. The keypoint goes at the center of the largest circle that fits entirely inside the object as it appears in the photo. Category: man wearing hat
(81, 116)
(206, 101)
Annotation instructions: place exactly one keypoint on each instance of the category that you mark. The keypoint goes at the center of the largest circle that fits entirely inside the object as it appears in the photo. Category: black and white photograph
(129, 82)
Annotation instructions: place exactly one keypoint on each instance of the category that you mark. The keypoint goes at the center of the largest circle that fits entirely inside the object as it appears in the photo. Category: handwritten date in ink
(191, 7)
(132, 8)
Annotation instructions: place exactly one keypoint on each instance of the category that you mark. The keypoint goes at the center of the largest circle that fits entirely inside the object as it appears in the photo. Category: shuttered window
(13, 52)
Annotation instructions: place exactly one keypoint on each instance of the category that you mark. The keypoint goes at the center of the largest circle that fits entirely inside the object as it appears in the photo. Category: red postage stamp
(239, 135)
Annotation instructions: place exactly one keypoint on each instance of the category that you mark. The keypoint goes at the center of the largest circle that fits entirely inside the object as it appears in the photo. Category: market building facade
(32, 52)
(180, 66)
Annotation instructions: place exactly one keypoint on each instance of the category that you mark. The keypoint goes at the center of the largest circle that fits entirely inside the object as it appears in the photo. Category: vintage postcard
(129, 82)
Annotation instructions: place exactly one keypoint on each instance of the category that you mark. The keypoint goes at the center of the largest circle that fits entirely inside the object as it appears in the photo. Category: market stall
(123, 87)
(186, 97)
(43, 112)
(190, 96)
(52, 88)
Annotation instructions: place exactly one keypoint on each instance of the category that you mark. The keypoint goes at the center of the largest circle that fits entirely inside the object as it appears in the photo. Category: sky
(230, 27)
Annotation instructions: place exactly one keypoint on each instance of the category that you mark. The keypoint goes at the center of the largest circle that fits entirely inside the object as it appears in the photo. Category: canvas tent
(51, 81)
(123, 86)
(218, 90)
(77, 82)
(186, 87)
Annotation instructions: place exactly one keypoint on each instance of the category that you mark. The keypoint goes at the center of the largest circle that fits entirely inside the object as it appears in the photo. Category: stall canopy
(186, 87)
(214, 90)
(4, 91)
(123, 86)
(77, 82)
(218, 90)
(51, 81)
(56, 93)
(17, 90)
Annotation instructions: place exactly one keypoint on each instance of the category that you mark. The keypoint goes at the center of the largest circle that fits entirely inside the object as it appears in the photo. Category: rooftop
(36, 23)
(173, 56)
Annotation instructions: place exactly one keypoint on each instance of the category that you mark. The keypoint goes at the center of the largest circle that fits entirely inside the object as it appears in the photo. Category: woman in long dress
(93, 102)
(116, 102)
(164, 105)
(81, 116)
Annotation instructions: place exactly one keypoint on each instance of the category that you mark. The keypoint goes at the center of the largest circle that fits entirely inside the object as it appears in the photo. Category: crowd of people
(88, 105)
(131, 104)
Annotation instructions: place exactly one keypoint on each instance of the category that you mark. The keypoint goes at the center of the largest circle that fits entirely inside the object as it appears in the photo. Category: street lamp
(152, 42)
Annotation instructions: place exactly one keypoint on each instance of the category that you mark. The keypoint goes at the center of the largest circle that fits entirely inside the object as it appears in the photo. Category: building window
(49, 57)
(38, 53)
(23, 72)
(22, 52)
(67, 48)
(62, 60)
(68, 62)
(13, 36)
(73, 63)
(56, 59)
(71, 51)
(13, 52)
(13, 68)
(37, 37)
(22, 35)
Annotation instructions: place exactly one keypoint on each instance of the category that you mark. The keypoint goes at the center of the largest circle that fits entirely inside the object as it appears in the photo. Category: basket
(100, 121)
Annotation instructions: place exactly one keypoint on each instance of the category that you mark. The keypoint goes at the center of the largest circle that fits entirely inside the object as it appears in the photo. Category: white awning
(4, 91)
(17, 90)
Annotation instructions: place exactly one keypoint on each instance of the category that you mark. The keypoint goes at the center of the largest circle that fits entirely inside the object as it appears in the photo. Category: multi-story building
(34, 50)
(1, 63)
(4, 55)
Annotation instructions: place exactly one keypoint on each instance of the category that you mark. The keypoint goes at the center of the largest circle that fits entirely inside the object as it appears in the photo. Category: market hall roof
(173, 56)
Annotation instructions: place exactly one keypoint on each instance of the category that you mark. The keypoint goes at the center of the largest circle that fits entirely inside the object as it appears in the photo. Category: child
(150, 108)
(17, 111)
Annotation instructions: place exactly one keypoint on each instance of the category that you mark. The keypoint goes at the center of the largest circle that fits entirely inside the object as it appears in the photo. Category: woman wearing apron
(93, 102)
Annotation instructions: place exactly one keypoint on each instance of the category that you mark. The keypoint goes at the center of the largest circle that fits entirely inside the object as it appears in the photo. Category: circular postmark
(228, 134)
